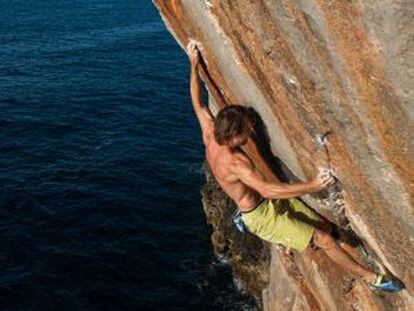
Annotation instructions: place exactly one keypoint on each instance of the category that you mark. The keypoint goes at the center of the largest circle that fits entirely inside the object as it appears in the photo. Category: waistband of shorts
(257, 205)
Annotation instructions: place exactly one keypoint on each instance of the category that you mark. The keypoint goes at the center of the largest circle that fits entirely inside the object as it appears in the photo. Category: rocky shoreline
(248, 256)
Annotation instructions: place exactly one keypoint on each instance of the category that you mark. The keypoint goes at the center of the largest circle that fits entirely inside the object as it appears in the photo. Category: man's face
(238, 141)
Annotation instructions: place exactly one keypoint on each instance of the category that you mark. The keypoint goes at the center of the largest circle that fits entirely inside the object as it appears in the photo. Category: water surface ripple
(100, 164)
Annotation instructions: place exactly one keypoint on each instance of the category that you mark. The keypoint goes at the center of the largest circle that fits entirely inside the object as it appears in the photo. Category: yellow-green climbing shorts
(288, 222)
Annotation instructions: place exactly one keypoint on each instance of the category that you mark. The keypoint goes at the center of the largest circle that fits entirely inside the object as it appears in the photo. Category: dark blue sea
(100, 164)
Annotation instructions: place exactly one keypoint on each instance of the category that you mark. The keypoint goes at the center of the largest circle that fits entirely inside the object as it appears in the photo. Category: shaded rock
(248, 256)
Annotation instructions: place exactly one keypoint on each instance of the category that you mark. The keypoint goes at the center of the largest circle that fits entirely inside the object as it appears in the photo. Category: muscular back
(221, 160)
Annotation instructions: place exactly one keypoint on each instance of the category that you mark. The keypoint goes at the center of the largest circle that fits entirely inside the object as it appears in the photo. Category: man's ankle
(370, 277)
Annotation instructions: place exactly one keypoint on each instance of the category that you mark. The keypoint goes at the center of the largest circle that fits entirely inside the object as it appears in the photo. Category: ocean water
(100, 164)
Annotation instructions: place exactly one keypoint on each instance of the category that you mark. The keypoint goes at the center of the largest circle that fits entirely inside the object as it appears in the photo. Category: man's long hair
(231, 121)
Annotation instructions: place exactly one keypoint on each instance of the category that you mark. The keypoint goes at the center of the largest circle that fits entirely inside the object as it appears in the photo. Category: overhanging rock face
(311, 67)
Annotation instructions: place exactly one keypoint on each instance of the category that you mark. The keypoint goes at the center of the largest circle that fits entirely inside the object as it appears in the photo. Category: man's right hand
(323, 180)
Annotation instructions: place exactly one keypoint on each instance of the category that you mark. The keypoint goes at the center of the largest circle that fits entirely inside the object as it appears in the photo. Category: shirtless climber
(288, 221)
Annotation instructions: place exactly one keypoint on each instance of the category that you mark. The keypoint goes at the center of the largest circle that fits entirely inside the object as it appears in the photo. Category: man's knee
(323, 239)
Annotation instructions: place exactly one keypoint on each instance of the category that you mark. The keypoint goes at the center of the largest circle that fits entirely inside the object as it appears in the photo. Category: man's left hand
(194, 55)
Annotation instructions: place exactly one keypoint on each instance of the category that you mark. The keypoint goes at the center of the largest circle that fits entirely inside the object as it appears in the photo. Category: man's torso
(221, 159)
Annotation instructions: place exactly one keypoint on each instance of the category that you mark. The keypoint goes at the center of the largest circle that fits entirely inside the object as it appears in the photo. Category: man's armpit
(207, 132)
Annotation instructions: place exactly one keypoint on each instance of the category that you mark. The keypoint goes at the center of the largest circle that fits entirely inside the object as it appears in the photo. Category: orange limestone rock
(333, 83)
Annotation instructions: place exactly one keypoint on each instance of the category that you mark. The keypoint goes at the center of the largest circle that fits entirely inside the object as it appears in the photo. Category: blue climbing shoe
(390, 285)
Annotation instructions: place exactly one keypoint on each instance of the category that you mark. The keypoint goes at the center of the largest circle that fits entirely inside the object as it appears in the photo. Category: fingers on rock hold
(192, 46)
(323, 171)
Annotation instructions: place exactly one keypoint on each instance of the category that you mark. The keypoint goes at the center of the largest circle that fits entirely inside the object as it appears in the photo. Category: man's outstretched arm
(246, 172)
(202, 113)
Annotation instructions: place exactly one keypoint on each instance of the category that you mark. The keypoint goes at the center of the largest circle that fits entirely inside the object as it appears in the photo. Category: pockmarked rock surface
(339, 72)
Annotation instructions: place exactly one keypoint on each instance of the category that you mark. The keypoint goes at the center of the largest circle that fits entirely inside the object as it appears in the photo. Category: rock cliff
(339, 72)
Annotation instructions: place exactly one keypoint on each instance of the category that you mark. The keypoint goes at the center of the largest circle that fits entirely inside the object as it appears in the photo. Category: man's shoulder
(241, 156)
(241, 160)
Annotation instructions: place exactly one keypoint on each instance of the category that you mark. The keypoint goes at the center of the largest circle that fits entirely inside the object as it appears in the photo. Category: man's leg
(343, 242)
(337, 254)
